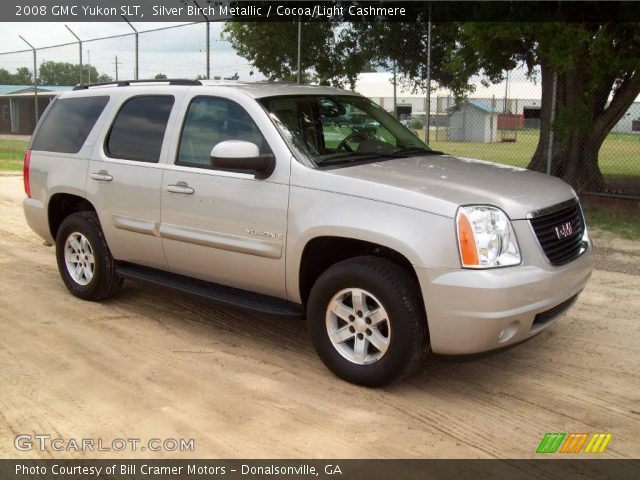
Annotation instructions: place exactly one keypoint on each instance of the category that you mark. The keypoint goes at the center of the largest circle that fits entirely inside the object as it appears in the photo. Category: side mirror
(243, 157)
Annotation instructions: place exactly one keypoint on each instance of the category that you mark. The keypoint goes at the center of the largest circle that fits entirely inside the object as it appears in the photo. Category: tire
(404, 336)
(98, 279)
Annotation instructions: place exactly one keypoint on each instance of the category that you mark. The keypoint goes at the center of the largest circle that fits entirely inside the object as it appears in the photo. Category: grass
(623, 222)
(12, 154)
(619, 155)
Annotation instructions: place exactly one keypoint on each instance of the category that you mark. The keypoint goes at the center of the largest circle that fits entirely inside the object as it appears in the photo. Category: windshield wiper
(411, 150)
(347, 156)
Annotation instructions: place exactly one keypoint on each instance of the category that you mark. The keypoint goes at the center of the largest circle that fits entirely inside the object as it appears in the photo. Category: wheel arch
(61, 205)
(321, 252)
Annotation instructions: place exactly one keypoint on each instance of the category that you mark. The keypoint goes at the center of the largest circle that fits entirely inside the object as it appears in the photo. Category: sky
(177, 52)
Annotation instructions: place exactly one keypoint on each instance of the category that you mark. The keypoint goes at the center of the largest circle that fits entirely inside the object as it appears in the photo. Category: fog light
(508, 332)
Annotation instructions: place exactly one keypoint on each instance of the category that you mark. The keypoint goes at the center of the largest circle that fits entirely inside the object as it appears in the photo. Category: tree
(63, 73)
(160, 76)
(597, 65)
(327, 53)
(103, 78)
(5, 77)
(22, 77)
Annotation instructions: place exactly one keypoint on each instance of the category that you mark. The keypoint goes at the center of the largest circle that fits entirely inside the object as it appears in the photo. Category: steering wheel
(344, 144)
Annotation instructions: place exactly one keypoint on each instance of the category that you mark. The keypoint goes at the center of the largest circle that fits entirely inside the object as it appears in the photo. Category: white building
(473, 121)
(520, 95)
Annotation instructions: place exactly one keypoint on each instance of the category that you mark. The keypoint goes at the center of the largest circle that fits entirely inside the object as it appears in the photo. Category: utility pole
(395, 93)
(79, 49)
(116, 63)
(89, 65)
(552, 118)
(299, 51)
(208, 46)
(427, 118)
(35, 77)
(136, 33)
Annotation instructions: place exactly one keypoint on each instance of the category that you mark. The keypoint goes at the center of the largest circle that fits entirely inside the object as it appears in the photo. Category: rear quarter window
(68, 124)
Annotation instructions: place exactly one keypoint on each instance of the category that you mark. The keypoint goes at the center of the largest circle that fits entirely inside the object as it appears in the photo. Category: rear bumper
(473, 311)
(37, 219)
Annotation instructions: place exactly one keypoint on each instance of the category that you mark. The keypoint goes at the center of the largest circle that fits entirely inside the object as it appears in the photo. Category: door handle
(102, 176)
(180, 187)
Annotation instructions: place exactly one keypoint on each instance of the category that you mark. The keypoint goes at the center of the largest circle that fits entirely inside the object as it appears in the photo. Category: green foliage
(623, 223)
(416, 123)
(53, 73)
(160, 76)
(103, 78)
(12, 154)
(329, 54)
(63, 73)
(21, 77)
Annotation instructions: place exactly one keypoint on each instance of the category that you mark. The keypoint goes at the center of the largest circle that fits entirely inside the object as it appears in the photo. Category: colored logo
(573, 443)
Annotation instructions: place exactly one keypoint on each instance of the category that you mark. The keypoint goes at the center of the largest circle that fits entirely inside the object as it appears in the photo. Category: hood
(440, 183)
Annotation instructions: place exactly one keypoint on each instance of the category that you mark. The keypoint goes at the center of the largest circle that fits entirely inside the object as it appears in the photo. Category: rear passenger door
(125, 176)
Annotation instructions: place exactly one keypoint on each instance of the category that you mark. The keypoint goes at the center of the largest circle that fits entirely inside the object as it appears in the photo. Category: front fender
(425, 239)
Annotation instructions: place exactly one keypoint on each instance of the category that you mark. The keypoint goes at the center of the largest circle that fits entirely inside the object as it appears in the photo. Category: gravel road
(156, 364)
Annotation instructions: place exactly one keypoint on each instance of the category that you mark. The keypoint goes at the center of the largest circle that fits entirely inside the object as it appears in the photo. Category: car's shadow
(178, 311)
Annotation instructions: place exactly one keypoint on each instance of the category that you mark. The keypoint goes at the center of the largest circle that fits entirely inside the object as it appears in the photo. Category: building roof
(16, 89)
(484, 105)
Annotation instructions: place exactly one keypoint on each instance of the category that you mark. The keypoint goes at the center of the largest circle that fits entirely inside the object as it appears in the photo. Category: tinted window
(68, 123)
(210, 121)
(138, 130)
(341, 129)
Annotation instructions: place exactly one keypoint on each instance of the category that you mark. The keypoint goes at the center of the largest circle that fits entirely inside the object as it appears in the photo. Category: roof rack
(126, 83)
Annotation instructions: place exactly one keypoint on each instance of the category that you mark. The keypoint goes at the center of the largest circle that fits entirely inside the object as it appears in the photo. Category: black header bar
(335, 11)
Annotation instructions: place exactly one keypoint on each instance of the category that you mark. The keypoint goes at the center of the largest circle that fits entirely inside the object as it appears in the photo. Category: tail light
(25, 173)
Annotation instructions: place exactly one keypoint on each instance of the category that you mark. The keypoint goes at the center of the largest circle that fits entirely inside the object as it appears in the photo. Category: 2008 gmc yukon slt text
(287, 199)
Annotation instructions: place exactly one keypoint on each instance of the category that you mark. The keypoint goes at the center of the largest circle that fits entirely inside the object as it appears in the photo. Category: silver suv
(293, 200)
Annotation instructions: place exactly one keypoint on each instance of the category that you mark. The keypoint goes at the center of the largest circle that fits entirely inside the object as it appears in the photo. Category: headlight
(486, 238)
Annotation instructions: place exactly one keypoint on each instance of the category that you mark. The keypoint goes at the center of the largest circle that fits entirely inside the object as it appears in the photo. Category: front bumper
(473, 311)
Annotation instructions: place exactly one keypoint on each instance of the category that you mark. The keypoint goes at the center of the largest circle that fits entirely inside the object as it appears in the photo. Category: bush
(416, 123)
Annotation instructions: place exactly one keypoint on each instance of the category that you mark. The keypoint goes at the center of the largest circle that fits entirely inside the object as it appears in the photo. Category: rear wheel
(84, 261)
(367, 321)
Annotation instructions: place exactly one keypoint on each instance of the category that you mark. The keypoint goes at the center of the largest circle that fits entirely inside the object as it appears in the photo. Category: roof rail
(126, 83)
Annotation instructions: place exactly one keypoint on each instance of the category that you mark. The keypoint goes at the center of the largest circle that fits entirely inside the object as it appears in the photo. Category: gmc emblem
(563, 231)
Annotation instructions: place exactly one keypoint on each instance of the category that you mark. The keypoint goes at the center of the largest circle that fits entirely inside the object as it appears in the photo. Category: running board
(227, 296)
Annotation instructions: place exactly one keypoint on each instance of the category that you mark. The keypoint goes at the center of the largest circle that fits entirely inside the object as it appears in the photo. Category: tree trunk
(583, 119)
(577, 139)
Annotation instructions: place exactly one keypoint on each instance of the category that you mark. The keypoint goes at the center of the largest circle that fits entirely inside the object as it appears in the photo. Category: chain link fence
(500, 123)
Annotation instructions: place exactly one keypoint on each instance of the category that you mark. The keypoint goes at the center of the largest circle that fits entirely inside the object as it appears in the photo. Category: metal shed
(473, 121)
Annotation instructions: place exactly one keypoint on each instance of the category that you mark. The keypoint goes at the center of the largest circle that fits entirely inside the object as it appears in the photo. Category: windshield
(337, 130)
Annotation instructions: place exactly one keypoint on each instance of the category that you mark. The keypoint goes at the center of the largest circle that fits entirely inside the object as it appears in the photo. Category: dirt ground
(156, 364)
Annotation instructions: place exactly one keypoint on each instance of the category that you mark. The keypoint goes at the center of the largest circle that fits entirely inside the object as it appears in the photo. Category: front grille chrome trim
(552, 209)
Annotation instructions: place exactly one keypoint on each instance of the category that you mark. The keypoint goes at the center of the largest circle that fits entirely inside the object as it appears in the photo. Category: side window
(209, 121)
(138, 130)
(68, 124)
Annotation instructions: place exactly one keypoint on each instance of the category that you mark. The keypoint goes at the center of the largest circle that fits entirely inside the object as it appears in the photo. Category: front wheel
(367, 322)
(84, 261)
